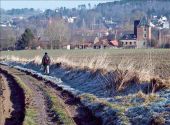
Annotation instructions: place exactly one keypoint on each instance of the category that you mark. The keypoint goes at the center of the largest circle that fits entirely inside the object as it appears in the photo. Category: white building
(68, 47)
(166, 25)
(160, 23)
(71, 19)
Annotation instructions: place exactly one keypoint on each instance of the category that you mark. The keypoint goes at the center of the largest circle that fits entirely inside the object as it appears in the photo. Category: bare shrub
(128, 77)
(123, 75)
(116, 81)
(158, 84)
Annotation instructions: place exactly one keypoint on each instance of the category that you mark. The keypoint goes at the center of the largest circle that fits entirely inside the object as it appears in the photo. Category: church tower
(143, 33)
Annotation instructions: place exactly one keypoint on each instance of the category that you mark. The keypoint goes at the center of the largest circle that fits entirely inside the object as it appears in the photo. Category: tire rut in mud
(17, 98)
(39, 100)
(52, 118)
(83, 115)
(77, 111)
(5, 103)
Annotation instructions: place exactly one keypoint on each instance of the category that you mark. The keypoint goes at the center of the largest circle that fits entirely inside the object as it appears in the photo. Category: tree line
(57, 33)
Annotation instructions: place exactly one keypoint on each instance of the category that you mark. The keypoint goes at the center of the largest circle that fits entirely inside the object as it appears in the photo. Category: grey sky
(44, 4)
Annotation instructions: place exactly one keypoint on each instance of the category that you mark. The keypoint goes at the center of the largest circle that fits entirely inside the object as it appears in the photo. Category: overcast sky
(44, 4)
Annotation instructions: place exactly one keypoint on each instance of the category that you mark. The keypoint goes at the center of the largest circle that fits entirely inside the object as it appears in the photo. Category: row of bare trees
(7, 38)
(57, 31)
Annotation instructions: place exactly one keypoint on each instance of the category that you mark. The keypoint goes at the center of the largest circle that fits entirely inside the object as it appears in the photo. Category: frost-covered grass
(119, 68)
(110, 113)
(138, 107)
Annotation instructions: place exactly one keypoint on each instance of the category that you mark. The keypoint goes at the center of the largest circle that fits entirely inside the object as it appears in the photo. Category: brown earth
(41, 102)
(12, 95)
(5, 103)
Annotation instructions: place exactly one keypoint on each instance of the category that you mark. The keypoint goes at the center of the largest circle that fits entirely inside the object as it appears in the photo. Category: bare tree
(58, 33)
(7, 38)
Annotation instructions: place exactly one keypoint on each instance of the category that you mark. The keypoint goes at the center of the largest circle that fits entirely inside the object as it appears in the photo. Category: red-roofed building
(115, 43)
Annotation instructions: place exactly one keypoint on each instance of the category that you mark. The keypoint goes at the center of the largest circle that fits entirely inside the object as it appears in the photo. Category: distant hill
(131, 8)
(117, 13)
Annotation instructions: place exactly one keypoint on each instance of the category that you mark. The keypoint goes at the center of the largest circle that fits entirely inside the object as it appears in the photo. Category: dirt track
(17, 98)
(5, 103)
(40, 101)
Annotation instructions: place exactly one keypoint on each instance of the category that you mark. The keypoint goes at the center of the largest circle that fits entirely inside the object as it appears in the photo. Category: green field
(157, 60)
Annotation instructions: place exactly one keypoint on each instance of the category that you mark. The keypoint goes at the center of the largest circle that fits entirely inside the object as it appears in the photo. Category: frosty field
(119, 86)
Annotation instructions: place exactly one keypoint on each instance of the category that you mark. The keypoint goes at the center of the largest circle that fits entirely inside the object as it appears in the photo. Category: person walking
(46, 63)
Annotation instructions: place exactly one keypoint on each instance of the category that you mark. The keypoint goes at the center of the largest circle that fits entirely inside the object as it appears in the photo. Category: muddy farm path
(28, 100)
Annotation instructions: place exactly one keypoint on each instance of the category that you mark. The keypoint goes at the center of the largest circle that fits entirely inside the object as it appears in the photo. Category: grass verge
(59, 108)
(120, 108)
(31, 113)
(30, 118)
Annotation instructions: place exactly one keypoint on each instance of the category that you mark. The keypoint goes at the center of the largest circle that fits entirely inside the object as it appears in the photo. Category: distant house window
(130, 43)
(143, 43)
(145, 29)
(126, 43)
(122, 43)
(144, 35)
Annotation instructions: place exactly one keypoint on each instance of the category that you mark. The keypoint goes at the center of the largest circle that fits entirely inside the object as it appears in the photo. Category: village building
(164, 38)
(92, 43)
(129, 41)
(66, 46)
(141, 37)
(104, 43)
(115, 43)
(101, 44)
(143, 34)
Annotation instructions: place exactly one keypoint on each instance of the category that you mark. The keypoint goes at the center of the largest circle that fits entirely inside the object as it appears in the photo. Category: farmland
(117, 85)
(157, 60)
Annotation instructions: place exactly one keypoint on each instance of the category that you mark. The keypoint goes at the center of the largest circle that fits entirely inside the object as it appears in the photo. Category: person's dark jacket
(46, 60)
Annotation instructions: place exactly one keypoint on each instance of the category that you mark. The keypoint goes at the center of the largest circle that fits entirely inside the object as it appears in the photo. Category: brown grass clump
(140, 94)
(158, 120)
(148, 98)
(125, 79)
(158, 84)
(119, 80)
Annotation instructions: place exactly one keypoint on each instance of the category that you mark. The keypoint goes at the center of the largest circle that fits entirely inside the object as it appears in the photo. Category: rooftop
(129, 37)
(144, 22)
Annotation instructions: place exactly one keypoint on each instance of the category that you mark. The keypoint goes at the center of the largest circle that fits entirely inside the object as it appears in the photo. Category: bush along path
(43, 103)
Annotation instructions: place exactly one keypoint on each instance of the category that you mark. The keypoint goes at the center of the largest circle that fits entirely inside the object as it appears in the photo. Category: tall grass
(96, 62)
(123, 68)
